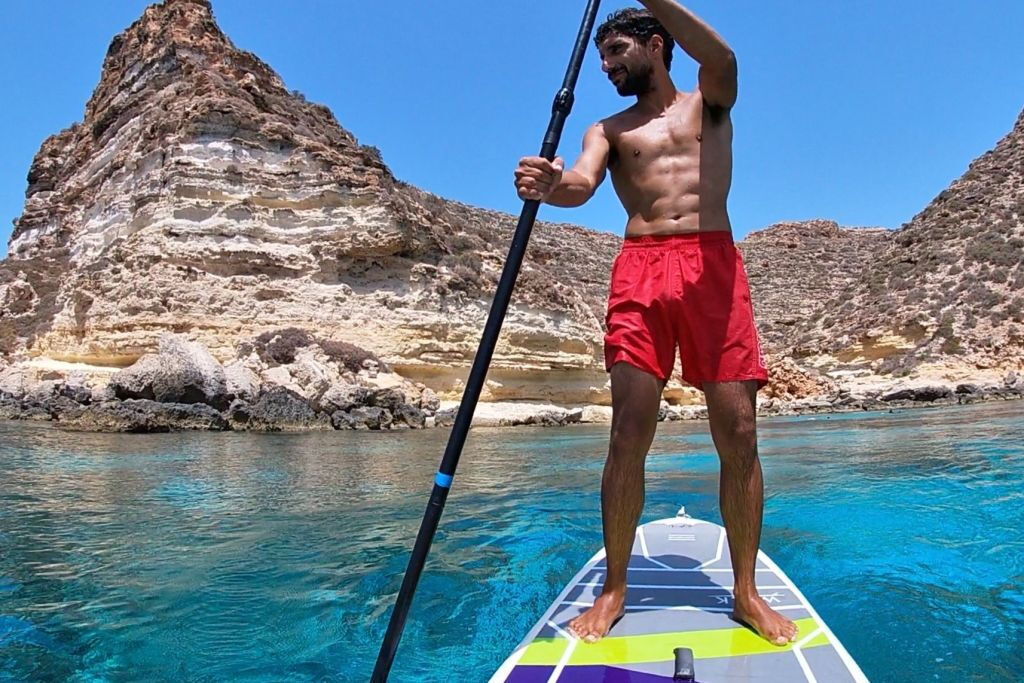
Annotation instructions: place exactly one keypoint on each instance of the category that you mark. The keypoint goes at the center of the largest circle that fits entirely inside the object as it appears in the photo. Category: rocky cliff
(947, 291)
(199, 197)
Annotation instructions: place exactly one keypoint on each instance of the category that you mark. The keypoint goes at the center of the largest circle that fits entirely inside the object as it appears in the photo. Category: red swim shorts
(688, 290)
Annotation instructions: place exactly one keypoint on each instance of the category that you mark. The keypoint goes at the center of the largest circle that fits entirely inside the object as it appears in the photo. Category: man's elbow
(725, 63)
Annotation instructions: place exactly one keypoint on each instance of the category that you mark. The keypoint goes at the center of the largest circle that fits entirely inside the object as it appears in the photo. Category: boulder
(10, 408)
(343, 397)
(446, 417)
(1014, 381)
(279, 376)
(902, 394)
(410, 415)
(238, 414)
(342, 420)
(932, 393)
(280, 409)
(311, 374)
(240, 382)
(77, 391)
(693, 412)
(14, 382)
(598, 414)
(371, 417)
(182, 372)
(142, 415)
(429, 402)
(388, 398)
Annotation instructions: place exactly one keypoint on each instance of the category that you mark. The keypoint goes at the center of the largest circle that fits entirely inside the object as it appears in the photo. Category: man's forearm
(693, 35)
(573, 190)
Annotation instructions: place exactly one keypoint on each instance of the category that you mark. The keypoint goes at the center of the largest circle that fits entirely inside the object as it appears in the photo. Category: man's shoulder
(618, 120)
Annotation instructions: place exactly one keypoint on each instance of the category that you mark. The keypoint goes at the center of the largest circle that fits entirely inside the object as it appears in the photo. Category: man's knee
(740, 437)
(631, 435)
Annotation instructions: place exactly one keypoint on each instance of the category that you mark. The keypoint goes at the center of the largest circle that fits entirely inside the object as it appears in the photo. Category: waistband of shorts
(678, 240)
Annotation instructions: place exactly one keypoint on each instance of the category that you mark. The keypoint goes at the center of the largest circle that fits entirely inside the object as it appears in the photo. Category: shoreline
(77, 412)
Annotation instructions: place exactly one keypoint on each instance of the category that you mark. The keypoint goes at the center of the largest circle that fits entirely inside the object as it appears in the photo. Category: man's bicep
(718, 86)
(593, 160)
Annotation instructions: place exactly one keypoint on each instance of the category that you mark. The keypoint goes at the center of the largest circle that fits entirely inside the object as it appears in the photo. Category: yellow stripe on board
(658, 647)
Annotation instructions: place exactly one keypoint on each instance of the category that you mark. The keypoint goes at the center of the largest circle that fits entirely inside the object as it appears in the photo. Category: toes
(591, 638)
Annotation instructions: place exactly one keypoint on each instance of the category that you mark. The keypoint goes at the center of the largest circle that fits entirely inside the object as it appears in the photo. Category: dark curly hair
(636, 23)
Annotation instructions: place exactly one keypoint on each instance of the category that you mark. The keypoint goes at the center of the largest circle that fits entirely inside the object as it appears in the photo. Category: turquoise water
(277, 558)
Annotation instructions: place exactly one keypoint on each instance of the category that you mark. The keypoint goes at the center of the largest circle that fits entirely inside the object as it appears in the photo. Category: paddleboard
(680, 596)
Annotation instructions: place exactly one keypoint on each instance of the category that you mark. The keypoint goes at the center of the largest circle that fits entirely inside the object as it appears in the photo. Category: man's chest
(676, 133)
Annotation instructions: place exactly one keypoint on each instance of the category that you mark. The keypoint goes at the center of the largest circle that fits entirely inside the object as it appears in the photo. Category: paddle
(443, 480)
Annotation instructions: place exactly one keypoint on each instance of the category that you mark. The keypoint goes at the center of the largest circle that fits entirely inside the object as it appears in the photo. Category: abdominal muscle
(673, 174)
(659, 203)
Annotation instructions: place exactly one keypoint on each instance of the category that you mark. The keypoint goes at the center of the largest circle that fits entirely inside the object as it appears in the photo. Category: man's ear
(656, 44)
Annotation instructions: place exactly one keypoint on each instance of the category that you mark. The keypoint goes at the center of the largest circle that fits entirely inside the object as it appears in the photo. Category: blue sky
(857, 112)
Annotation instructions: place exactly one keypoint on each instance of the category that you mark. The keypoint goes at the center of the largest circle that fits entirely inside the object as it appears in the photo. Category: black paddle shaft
(442, 483)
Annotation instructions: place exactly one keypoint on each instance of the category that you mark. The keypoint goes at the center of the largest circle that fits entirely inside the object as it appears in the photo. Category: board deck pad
(680, 595)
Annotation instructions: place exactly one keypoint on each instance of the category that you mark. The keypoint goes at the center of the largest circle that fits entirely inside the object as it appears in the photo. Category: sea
(278, 557)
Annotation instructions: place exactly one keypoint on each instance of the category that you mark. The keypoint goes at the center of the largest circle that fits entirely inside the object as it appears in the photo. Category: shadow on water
(278, 557)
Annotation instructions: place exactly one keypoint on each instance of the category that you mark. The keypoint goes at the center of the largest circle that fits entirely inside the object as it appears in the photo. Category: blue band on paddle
(443, 480)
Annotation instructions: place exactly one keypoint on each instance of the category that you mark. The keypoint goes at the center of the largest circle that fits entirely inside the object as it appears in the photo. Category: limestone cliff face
(793, 268)
(947, 290)
(199, 195)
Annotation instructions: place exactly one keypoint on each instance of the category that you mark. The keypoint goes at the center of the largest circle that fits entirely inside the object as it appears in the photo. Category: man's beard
(637, 81)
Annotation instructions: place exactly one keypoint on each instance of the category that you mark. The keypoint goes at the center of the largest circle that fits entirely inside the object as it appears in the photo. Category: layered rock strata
(202, 203)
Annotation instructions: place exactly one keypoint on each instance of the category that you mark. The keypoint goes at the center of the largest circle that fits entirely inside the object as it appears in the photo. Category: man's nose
(605, 66)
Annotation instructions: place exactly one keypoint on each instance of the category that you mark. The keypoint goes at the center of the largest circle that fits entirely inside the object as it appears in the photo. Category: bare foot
(772, 626)
(595, 623)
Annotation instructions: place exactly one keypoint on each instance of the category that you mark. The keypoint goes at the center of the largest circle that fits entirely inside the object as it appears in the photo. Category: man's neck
(660, 97)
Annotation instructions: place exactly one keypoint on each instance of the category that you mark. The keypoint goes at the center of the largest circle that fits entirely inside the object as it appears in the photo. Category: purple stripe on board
(607, 674)
(530, 674)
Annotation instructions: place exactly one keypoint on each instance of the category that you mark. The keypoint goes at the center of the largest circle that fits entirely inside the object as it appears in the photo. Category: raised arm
(538, 178)
(717, 75)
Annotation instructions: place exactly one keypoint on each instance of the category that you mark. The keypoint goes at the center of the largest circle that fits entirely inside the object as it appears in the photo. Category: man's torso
(672, 172)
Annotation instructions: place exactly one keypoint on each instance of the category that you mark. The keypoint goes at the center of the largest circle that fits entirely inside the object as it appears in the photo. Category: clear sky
(860, 112)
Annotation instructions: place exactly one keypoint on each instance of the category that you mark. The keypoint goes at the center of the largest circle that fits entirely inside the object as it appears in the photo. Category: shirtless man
(678, 280)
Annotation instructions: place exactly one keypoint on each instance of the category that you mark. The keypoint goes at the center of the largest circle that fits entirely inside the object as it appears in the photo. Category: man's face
(627, 63)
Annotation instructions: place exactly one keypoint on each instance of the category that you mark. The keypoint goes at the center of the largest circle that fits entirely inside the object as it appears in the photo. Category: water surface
(213, 556)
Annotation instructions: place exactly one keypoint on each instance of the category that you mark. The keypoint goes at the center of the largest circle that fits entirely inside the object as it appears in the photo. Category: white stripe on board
(799, 654)
(674, 569)
(718, 553)
(802, 661)
(680, 608)
(559, 630)
(808, 638)
(563, 661)
(851, 665)
(598, 584)
(643, 547)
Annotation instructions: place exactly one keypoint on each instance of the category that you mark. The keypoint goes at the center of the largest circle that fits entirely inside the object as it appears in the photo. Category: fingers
(539, 167)
(536, 177)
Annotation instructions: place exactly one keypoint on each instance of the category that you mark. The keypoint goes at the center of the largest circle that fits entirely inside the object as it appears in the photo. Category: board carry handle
(684, 665)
